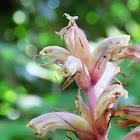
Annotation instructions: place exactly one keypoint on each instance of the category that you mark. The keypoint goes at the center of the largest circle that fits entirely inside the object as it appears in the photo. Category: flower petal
(107, 100)
(55, 52)
(74, 68)
(97, 71)
(78, 44)
(106, 78)
(134, 134)
(131, 51)
(69, 80)
(109, 97)
(73, 65)
(108, 43)
(76, 41)
(61, 120)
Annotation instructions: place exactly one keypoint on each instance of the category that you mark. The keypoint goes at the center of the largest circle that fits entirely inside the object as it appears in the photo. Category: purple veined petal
(107, 99)
(77, 43)
(83, 81)
(62, 120)
(75, 40)
(133, 135)
(70, 40)
(131, 51)
(55, 52)
(108, 43)
(98, 71)
(82, 46)
(69, 80)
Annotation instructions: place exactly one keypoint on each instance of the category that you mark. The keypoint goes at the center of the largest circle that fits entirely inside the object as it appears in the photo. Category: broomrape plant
(93, 72)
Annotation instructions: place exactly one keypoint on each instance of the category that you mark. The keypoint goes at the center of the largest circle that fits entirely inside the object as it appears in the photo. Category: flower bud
(76, 41)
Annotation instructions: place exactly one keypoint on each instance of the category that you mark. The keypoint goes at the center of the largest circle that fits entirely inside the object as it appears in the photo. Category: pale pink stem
(91, 100)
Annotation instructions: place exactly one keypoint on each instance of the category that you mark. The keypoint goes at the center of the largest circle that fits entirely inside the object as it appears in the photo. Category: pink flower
(93, 72)
(81, 126)
(78, 61)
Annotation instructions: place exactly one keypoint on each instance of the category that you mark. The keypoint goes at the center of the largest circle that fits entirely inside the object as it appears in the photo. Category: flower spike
(93, 73)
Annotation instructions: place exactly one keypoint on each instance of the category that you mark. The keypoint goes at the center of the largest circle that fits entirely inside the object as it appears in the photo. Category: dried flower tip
(70, 17)
(131, 113)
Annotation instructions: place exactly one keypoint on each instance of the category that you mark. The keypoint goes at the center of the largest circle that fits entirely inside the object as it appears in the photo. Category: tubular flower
(107, 99)
(78, 61)
(62, 120)
(93, 72)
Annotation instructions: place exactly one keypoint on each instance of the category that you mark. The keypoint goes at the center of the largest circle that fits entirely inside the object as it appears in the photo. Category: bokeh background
(26, 26)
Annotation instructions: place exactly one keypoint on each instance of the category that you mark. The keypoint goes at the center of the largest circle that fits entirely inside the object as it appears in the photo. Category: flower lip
(55, 52)
(113, 41)
(129, 51)
(106, 46)
(108, 98)
(61, 120)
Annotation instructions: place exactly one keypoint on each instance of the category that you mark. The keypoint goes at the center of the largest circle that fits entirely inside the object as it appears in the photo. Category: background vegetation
(26, 26)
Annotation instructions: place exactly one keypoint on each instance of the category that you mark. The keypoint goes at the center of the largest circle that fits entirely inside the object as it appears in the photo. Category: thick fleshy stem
(91, 100)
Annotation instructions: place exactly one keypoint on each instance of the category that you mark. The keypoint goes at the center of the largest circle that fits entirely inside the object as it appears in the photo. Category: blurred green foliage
(26, 26)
